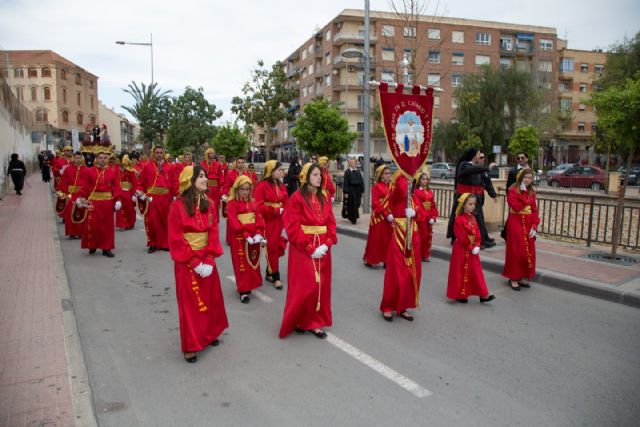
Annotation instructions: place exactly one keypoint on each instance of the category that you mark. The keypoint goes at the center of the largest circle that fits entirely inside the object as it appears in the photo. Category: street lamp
(150, 44)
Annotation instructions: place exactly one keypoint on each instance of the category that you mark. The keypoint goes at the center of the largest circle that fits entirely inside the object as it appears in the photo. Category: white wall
(14, 138)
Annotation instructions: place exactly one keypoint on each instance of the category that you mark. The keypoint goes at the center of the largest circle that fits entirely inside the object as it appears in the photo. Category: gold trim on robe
(314, 229)
(525, 211)
(101, 195)
(158, 191)
(247, 218)
(126, 185)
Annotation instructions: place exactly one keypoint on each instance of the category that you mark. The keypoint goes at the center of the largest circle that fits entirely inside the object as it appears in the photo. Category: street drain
(606, 257)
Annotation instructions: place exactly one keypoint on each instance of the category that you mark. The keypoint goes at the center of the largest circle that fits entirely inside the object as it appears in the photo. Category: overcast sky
(213, 44)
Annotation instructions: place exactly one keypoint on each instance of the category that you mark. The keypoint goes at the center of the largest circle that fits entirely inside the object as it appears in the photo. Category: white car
(443, 170)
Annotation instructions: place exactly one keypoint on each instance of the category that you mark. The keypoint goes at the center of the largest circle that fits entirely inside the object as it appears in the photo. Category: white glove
(523, 187)
(432, 221)
(207, 269)
(333, 199)
(257, 238)
(174, 198)
(323, 249)
(317, 254)
(532, 233)
(141, 196)
(250, 240)
(118, 205)
(134, 199)
(62, 169)
(224, 198)
(200, 269)
(390, 218)
(410, 213)
(475, 250)
(281, 211)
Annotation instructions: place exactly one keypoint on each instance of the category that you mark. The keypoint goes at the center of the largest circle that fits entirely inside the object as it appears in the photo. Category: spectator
(352, 188)
(293, 175)
(523, 163)
(18, 171)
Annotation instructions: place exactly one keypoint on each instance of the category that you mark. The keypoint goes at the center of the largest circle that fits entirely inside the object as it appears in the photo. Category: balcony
(524, 49)
(292, 71)
(355, 38)
(318, 52)
(566, 76)
(358, 63)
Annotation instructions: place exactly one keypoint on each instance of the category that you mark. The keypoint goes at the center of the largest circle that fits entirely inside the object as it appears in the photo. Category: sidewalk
(35, 309)
(562, 265)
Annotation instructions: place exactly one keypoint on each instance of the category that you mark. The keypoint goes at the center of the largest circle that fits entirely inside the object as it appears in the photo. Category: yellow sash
(158, 191)
(314, 229)
(273, 204)
(126, 185)
(525, 211)
(74, 189)
(427, 205)
(247, 218)
(197, 241)
(100, 195)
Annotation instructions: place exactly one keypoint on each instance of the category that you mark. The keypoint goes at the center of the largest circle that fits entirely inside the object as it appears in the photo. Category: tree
(230, 141)
(151, 110)
(191, 122)
(447, 135)
(264, 101)
(322, 130)
(623, 62)
(619, 118)
(525, 140)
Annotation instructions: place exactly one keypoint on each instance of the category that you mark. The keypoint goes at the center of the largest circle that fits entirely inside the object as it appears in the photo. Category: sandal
(406, 316)
(244, 298)
(193, 358)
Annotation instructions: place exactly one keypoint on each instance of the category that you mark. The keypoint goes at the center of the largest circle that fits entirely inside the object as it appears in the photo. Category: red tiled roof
(40, 57)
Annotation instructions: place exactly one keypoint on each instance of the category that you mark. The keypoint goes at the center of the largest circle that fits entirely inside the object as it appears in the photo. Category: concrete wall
(14, 138)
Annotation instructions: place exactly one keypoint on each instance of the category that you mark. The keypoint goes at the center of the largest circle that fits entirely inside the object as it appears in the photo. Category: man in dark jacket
(523, 163)
(352, 187)
(18, 171)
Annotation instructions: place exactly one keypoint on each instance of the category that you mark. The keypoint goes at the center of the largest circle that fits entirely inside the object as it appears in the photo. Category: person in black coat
(352, 188)
(18, 171)
(46, 167)
(293, 175)
(523, 163)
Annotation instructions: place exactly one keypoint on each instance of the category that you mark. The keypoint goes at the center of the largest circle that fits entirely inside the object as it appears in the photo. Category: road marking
(404, 382)
(262, 297)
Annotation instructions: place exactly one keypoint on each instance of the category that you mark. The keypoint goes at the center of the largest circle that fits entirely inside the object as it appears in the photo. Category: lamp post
(150, 44)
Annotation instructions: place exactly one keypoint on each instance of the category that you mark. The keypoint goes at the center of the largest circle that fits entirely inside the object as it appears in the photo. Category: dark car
(584, 176)
(633, 174)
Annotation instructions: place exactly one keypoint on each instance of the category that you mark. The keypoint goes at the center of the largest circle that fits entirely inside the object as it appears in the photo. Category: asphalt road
(533, 358)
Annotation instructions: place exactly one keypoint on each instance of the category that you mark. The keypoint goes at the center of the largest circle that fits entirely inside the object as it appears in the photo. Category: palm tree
(150, 109)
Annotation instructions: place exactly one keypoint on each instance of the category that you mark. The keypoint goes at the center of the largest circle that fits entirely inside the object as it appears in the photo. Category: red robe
(380, 229)
(308, 303)
(426, 199)
(466, 277)
(200, 302)
(57, 164)
(126, 217)
(270, 197)
(161, 186)
(520, 258)
(404, 270)
(102, 188)
(327, 184)
(70, 185)
(229, 179)
(215, 179)
(245, 257)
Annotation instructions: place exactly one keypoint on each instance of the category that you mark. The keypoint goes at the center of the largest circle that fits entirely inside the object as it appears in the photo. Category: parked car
(633, 174)
(579, 177)
(559, 169)
(443, 170)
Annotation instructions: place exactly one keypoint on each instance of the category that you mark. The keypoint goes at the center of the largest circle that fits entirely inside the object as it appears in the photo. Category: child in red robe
(425, 227)
(380, 223)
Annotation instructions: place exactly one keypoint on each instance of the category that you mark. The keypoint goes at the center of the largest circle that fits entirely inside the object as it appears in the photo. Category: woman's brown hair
(191, 196)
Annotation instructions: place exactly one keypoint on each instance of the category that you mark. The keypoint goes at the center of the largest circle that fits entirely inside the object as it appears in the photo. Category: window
(65, 117)
(457, 36)
(506, 44)
(580, 126)
(360, 127)
(584, 68)
(599, 68)
(92, 120)
(78, 98)
(408, 78)
(565, 105)
(457, 58)
(483, 39)
(434, 57)
(582, 107)
(566, 66)
(433, 79)
(327, 58)
(304, 91)
(456, 80)
(583, 87)
(46, 72)
(64, 95)
(91, 101)
(523, 66)
(505, 63)
(454, 103)
(303, 74)
(406, 53)
(34, 93)
(78, 79)
(546, 85)
(545, 66)
(483, 60)
(19, 94)
(433, 34)
(18, 72)
(327, 79)
(409, 32)
(388, 54)
(90, 84)
(546, 44)
(79, 118)
(63, 74)
(310, 48)
(41, 115)
(47, 93)
(563, 87)
(436, 102)
(32, 72)
(360, 102)
(388, 30)
(310, 69)
(594, 127)
(327, 36)
(388, 76)
(304, 54)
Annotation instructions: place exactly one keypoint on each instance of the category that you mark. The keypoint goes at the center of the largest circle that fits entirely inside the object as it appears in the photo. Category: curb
(84, 411)
(543, 277)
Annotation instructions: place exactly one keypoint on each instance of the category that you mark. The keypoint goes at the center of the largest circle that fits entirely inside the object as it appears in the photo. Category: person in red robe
(311, 228)
(522, 225)
(466, 277)
(425, 227)
(126, 217)
(156, 187)
(403, 270)
(59, 163)
(251, 169)
(271, 195)
(194, 244)
(214, 175)
(247, 232)
(184, 160)
(70, 187)
(328, 187)
(224, 168)
(100, 194)
(381, 220)
(229, 179)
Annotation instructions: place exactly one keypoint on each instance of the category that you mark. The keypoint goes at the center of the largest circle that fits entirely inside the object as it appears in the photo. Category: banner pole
(409, 237)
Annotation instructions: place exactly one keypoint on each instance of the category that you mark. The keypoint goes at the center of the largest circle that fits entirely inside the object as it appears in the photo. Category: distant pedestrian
(194, 243)
(521, 227)
(18, 171)
(293, 175)
(523, 163)
(46, 167)
(352, 188)
(487, 241)
(466, 277)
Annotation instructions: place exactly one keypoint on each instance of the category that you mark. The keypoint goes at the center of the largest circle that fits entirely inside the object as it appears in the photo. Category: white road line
(404, 382)
(262, 297)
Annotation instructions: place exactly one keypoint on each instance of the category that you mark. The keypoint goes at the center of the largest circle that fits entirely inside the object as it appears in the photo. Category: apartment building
(122, 132)
(579, 71)
(445, 50)
(62, 95)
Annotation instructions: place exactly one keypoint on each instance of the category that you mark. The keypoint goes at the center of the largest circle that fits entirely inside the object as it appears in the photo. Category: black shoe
(384, 265)
(269, 278)
(319, 334)
(366, 264)
(489, 244)
(299, 331)
(490, 240)
(244, 298)
(192, 359)
(18, 193)
(215, 343)
(387, 318)
(524, 285)
(278, 285)
(406, 316)
(92, 251)
(151, 249)
(462, 300)
(487, 299)
(514, 288)
(108, 254)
